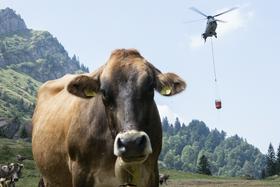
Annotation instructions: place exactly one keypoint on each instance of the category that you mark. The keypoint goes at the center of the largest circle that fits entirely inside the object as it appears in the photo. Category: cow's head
(16, 171)
(5, 168)
(126, 85)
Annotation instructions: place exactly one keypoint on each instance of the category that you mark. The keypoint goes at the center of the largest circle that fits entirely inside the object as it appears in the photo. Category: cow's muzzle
(132, 146)
(15, 177)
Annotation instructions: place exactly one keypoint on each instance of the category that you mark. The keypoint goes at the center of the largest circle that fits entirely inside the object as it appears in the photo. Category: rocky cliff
(10, 22)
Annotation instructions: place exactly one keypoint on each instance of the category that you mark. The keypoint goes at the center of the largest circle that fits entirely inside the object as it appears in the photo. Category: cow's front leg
(81, 175)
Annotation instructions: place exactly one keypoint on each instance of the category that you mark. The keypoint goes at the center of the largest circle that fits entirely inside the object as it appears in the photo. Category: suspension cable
(213, 60)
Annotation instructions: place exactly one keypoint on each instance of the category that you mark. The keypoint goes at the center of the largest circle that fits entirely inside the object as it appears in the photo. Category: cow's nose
(131, 143)
(15, 179)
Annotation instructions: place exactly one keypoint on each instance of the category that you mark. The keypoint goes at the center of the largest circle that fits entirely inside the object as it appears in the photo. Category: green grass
(19, 85)
(177, 175)
(8, 151)
(182, 179)
(222, 183)
(16, 90)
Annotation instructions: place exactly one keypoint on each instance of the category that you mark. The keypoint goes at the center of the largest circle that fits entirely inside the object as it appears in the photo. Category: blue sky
(246, 51)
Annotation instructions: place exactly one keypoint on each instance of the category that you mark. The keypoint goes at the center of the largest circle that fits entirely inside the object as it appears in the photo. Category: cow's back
(52, 117)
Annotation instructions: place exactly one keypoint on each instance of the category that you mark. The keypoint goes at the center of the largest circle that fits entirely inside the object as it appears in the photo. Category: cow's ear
(169, 84)
(83, 86)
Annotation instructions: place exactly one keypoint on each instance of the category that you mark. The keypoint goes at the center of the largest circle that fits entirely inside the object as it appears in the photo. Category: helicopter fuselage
(210, 28)
(211, 22)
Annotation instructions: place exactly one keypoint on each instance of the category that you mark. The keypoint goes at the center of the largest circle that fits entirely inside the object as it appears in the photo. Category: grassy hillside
(17, 94)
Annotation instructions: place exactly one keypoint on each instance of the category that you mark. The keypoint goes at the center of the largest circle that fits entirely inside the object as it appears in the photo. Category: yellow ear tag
(89, 92)
(166, 90)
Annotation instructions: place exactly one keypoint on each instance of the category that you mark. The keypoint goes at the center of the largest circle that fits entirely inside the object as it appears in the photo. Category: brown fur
(73, 137)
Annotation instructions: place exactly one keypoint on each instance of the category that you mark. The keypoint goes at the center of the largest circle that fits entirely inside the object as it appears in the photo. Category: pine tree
(270, 161)
(203, 166)
(170, 130)
(165, 124)
(177, 125)
(74, 57)
(278, 160)
(184, 126)
(263, 174)
(248, 169)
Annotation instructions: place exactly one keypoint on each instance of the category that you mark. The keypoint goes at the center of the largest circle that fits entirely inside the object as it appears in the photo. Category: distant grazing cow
(2, 182)
(20, 158)
(6, 183)
(16, 172)
(9, 174)
(163, 178)
(5, 170)
(102, 129)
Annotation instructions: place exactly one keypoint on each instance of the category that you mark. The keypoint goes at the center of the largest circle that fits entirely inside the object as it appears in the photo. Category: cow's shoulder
(53, 87)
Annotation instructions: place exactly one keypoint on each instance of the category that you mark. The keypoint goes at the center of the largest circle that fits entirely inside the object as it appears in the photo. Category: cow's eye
(150, 85)
(150, 88)
(148, 92)
(105, 97)
(104, 94)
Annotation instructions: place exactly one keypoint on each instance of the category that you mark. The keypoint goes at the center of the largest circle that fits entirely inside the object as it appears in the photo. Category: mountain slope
(38, 54)
(27, 59)
(17, 93)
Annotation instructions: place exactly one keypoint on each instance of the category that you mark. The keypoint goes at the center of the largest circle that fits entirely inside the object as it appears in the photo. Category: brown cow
(102, 129)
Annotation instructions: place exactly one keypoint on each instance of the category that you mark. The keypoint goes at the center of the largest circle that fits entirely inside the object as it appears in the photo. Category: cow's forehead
(125, 64)
(124, 53)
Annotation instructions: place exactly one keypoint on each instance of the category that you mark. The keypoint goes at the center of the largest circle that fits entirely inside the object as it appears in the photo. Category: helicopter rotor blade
(198, 11)
(192, 21)
(225, 11)
(220, 21)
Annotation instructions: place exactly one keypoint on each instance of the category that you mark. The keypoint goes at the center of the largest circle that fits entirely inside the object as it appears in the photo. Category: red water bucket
(218, 104)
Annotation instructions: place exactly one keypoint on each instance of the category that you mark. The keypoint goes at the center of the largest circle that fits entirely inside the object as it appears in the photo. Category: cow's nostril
(141, 141)
(121, 146)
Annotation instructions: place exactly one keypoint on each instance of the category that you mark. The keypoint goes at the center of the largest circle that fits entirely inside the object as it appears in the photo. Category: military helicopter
(211, 24)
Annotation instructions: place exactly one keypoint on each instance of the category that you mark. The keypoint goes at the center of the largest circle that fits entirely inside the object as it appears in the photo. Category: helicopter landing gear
(204, 37)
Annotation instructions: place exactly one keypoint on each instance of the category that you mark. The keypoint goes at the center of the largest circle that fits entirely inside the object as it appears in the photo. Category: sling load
(210, 31)
(218, 103)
